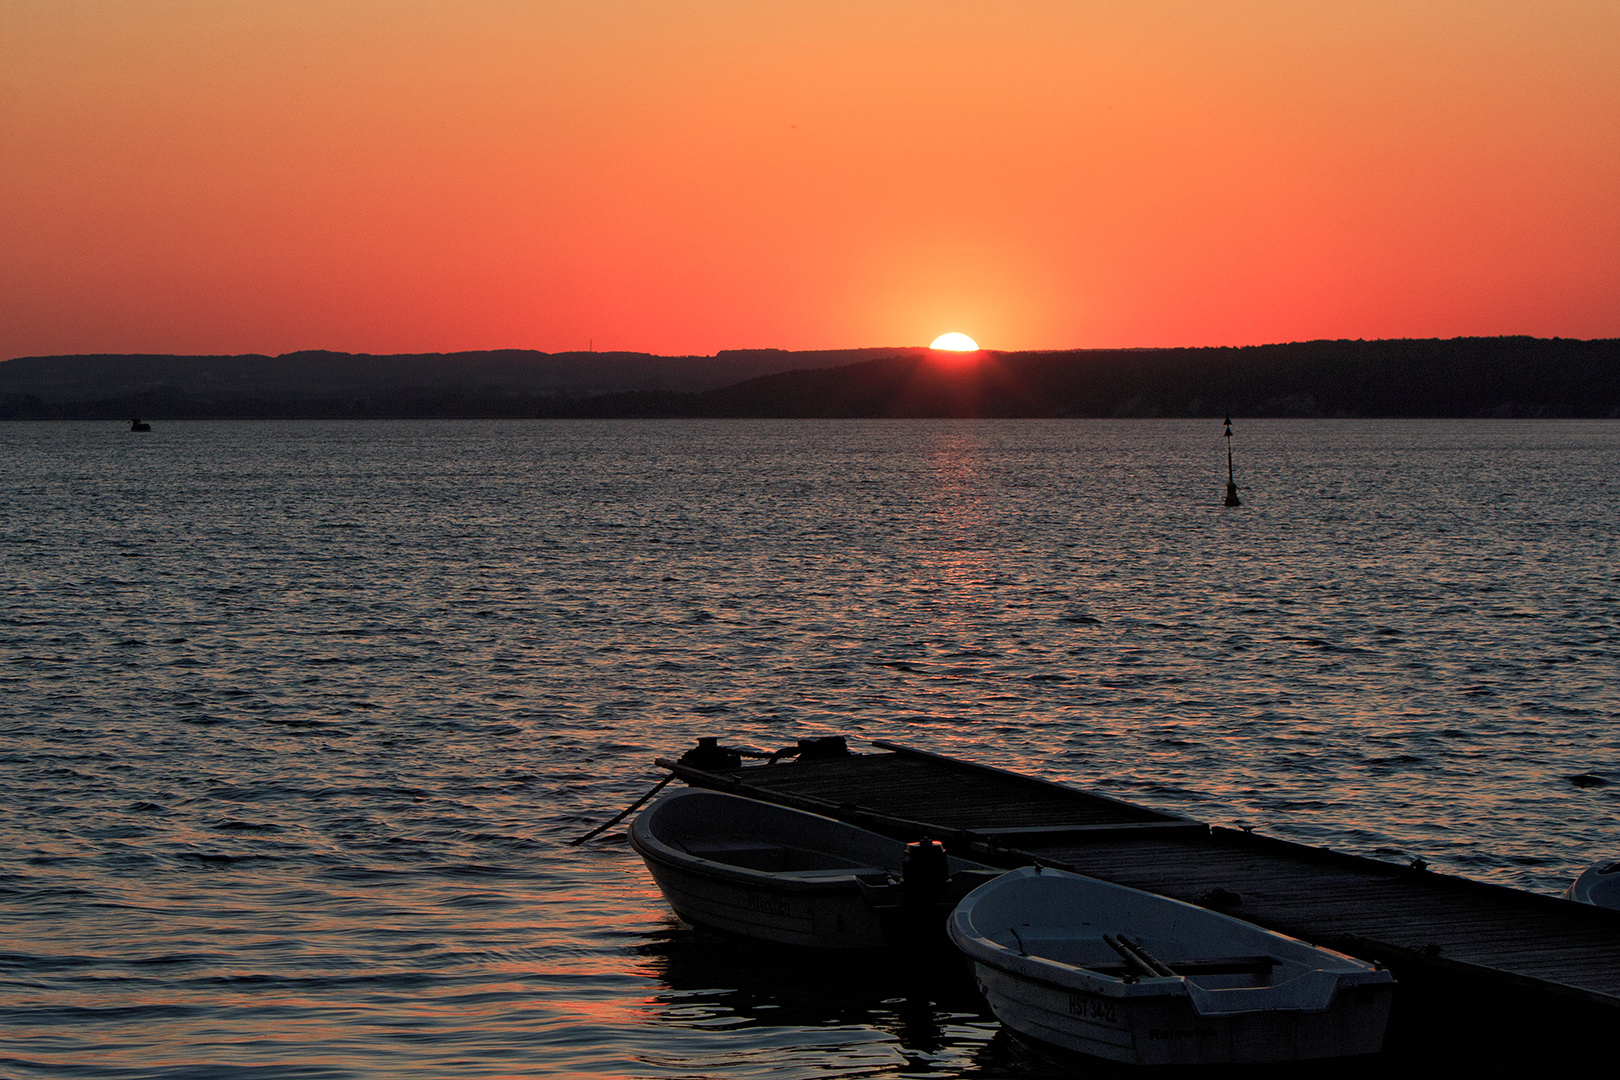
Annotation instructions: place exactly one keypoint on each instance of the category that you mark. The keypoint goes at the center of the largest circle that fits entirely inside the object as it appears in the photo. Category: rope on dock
(622, 814)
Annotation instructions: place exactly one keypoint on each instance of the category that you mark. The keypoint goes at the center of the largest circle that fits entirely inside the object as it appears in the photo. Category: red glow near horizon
(955, 359)
(265, 177)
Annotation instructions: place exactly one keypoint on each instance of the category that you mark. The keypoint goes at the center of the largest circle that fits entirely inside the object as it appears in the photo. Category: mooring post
(1231, 481)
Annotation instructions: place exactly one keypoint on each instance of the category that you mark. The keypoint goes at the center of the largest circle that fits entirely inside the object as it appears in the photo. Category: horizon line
(777, 349)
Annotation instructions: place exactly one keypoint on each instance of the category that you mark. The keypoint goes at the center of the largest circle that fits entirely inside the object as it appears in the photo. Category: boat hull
(834, 915)
(1040, 946)
(776, 874)
(1167, 1030)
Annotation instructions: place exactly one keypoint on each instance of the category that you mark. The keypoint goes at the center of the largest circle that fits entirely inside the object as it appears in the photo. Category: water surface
(298, 717)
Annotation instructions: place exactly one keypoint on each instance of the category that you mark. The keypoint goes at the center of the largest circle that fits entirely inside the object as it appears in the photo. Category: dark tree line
(1461, 377)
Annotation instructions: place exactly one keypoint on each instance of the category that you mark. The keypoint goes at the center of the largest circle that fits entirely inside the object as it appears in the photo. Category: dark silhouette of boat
(139, 425)
(778, 874)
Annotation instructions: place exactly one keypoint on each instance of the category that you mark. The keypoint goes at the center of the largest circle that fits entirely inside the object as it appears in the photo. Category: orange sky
(407, 175)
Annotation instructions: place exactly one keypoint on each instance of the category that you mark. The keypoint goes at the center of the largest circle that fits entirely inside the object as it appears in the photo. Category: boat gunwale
(650, 846)
(762, 879)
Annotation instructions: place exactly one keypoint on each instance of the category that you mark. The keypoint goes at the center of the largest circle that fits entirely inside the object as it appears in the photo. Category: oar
(1134, 963)
(1137, 957)
(626, 812)
(1159, 966)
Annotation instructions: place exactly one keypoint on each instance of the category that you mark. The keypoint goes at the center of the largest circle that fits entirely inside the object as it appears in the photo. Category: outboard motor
(924, 872)
(709, 754)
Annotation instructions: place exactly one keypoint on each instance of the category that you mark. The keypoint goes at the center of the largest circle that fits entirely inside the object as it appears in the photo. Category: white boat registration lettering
(1086, 1007)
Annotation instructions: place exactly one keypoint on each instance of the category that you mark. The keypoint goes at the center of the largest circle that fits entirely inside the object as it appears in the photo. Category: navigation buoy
(1231, 482)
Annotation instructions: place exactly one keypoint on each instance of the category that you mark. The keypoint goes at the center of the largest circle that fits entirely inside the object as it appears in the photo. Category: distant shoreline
(1503, 377)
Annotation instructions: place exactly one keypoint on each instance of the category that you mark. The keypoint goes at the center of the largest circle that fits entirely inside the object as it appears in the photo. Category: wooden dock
(1497, 969)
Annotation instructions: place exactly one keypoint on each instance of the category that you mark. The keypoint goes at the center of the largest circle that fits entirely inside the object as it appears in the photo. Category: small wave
(233, 825)
(209, 858)
(473, 870)
(174, 959)
(354, 874)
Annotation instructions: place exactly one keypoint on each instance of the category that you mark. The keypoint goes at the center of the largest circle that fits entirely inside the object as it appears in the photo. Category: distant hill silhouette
(1460, 377)
(320, 383)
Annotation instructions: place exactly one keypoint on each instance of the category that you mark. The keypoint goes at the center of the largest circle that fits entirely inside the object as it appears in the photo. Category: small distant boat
(764, 871)
(139, 425)
(1598, 886)
(1117, 973)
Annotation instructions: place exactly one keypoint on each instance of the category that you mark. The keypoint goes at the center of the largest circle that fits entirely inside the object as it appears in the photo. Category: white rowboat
(1126, 975)
(764, 871)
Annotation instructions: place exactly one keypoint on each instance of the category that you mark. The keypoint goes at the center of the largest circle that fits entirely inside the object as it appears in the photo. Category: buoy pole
(1231, 481)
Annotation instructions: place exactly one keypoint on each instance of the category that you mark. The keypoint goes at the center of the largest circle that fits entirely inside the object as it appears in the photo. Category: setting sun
(955, 343)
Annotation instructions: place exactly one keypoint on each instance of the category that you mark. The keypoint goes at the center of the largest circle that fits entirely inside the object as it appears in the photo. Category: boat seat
(1226, 965)
(837, 871)
(705, 846)
(769, 858)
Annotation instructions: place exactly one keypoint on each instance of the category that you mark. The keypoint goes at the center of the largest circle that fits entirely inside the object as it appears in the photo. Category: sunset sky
(683, 177)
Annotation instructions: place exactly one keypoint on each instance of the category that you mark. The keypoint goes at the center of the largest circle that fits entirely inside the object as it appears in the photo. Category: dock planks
(1487, 947)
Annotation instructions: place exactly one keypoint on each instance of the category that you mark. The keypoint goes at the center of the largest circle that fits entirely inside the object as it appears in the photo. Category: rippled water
(299, 717)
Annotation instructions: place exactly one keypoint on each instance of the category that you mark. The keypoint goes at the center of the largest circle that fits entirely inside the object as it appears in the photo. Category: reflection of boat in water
(711, 976)
(1598, 886)
(139, 425)
(764, 871)
(921, 1006)
(1117, 973)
